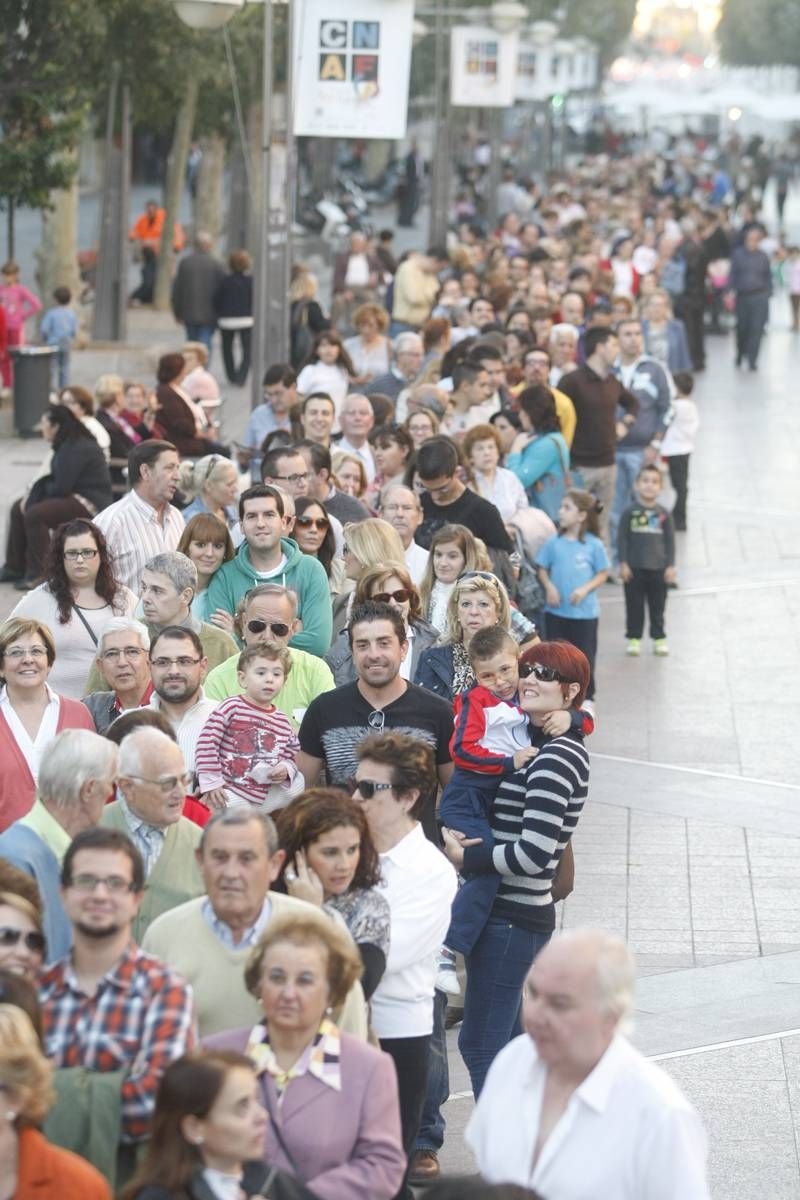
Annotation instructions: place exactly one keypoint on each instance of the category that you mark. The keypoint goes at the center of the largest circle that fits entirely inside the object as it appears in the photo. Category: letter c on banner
(333, 35)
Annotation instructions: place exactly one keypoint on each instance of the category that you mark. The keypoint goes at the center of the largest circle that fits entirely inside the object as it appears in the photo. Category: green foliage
(764, 36)
(607, 23)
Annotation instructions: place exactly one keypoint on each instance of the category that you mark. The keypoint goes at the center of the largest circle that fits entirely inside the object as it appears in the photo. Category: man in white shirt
(402, 509)
(570, 1108)
(471, 399)
(178, 667)
(144, 522)
(356, 420)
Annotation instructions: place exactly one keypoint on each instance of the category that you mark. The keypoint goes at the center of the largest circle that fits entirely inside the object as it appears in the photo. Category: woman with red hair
(533, 819)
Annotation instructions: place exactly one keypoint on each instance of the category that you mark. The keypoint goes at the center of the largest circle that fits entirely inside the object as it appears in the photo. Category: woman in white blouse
(78, 598)
(370, 349)
(482, 449)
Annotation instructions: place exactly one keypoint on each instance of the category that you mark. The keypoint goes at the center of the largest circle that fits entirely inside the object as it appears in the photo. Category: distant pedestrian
(751, 280)
(18, 305)
(233, 305)
(646, 562)
(59, 329)
(792, 276)
(678, 443)
(193, 289)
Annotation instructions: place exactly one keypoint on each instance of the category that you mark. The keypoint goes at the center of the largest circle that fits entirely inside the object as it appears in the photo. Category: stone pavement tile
(756, 1060)
(653, 963)
(716, 960)
(718, 924)
(770, 947)
(725, 944)
(659, 942)
(640, 921)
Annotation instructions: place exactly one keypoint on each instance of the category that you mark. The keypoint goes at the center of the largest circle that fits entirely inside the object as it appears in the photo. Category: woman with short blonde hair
(477, 600)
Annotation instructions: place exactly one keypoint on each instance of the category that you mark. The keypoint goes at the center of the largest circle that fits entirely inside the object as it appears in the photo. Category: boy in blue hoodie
(266, 557)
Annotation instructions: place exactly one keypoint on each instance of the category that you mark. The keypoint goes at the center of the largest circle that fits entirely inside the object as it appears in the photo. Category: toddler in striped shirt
(247, 748)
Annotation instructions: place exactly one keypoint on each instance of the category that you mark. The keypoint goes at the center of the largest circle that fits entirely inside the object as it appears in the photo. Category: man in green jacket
(266, 557)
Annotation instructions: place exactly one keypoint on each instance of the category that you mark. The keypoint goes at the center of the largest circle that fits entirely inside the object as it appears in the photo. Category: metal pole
(289, 184)
(495, 164)
(440, 167)
(104, 324)
(261, 307)
(124, 212)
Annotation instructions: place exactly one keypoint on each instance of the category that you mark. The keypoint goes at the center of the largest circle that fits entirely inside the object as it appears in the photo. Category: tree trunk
(57, 256)
(208, 213)
(176, 177)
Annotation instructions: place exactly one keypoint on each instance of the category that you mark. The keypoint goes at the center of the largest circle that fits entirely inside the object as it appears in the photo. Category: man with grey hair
(124, 671)
(268, 613)
(196, 280)
(570, 1108)
(400, 506)
(151, 786)
(76, 778)
(356, 420)
(408, 354)
(209, 940)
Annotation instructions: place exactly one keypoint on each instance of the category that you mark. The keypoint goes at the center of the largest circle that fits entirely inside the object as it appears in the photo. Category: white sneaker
(588, 706)
(446, 975)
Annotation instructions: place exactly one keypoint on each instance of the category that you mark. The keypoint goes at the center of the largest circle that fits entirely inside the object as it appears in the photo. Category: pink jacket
(346, 1144)
(17, 786)
(19, 304)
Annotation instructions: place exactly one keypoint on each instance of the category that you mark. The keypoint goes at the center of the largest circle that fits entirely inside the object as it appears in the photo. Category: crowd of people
(295, 720)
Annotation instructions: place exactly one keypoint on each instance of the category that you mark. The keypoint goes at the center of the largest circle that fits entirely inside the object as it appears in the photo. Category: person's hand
(625, 573)
(552, 595)
(578, 596)
(622, 430)
(303, 882)
(455, 843)
(216, 799)
(519, 443)
(650, 455)
(671, 575)
(521, 757)
(222, 619)
(556, 723)
(279, 773)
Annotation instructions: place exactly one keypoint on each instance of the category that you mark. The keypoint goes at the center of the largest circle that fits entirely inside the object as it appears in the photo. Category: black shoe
(9, 576)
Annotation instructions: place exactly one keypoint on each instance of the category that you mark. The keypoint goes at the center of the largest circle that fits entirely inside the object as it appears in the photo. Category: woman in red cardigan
(31, 713)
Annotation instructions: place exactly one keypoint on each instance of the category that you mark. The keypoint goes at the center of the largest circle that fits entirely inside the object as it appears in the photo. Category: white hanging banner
(353, 60)
(483, 67)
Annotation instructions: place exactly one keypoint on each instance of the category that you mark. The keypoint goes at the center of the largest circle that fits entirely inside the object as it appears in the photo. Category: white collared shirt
(627, 1133)
(135, 535)
(419, 885)
(416, 562)
(250, 936)
(363, 452)
(32, 749)
(187, 730)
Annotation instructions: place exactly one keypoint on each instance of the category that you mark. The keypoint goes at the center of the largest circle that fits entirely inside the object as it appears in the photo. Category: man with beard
(107, 986)
(178, 667)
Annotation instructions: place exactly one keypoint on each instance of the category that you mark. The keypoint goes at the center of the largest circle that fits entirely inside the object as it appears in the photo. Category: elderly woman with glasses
(77, 600)
(31, 713)
(532, 820)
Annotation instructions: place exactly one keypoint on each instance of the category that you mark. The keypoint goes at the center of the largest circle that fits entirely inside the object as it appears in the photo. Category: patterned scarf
(321, 1058)
(463, 674)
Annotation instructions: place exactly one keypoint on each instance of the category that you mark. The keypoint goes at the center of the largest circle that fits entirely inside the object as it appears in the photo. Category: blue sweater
(24, 849)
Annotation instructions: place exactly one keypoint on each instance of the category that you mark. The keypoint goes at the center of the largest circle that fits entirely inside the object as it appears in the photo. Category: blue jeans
(465, 805)
(200, 333)
(629, 463)
(432, 1123)
(496, 971)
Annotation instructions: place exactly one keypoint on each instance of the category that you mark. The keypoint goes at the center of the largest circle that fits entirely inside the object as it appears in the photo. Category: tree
(764, 36)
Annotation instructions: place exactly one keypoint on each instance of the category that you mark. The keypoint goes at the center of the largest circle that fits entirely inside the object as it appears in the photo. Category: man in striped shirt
(143, 523)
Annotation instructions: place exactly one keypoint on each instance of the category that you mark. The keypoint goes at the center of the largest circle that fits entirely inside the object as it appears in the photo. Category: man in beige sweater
(416, 287)
(209, 940)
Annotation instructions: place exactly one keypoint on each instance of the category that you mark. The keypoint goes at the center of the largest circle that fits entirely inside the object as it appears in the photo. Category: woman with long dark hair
(78, 484)
(314, 534)
(77, 600)
(539, 454)
(328, 368)
(207, 1135)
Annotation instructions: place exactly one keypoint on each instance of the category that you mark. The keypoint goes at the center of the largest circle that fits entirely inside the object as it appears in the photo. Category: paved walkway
(690, 845)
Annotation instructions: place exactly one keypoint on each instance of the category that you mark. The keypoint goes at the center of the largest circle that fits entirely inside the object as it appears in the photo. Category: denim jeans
(496, 971)
(629, 464)
(432, 1123)
(200, 333)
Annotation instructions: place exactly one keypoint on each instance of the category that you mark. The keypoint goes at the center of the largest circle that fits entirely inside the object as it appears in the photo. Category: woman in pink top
(18, 304)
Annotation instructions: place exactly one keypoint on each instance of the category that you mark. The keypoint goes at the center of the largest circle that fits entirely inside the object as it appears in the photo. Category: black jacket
(78, 466)
(259, 1180)
(234, 296)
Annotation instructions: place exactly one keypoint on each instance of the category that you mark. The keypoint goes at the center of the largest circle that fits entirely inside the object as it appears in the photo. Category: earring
(329, 1009)
(11, 1116)
(198, 1141)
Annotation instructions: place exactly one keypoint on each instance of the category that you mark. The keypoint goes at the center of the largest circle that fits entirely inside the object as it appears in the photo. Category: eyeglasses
(437, 491)
(184, 661)
(31, 652)
(116, 884)
(319, 523)
(168, 784)
(125, 652)
(299, 477)
(10, 937)
(74, 555)
(376, 720)
(541, 672)
(399, 597)
(279, 628)
(368, 787)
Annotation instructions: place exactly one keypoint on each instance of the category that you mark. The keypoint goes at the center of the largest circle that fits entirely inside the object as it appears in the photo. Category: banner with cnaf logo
(353, 61)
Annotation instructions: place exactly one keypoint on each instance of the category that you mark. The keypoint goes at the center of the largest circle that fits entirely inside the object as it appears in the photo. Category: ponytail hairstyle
(586, 503)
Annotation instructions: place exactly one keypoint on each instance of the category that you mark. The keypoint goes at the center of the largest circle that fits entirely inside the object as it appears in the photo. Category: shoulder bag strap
(276, 1127)
(85, 624)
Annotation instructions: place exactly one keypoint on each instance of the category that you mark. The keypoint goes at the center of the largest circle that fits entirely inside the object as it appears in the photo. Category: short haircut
(436, 458)
(19, 627)
(410, 760)
(261, 491)
(317, 396)
(178, 568)
(483, 350)
(101, 838)
(466, 372)
(62, 295)
(621, 324)
(179, 633)
(407, 341)
(270, 461)
(343, 966)
(372, 577)
(130, 625)
(649, 468)
(73, 758)
(371, 610)
(228, 817)
(267, 589)
(320, 455)
(141, 744)
(280, 373)
(169, 367)
(480, 433)
(595, 338)
(486, 643)
(476, 581)
(146, 454)
(269, 650)
(684, 382)
(139, 718)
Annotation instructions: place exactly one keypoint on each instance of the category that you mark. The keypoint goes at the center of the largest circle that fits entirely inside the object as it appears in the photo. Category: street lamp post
(440, 166)
(507, 16)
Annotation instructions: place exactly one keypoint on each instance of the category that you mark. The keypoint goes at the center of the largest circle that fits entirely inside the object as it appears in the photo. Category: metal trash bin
(32, 383)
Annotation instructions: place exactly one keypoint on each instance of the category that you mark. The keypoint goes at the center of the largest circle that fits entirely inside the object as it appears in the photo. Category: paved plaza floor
(690, 842)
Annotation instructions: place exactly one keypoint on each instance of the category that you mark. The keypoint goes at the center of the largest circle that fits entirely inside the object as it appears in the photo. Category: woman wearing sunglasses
(22, 942)
(388, 585)
(533, 818)
(314, 535)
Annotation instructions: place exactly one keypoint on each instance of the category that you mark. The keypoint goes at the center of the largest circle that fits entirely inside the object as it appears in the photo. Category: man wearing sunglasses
(269, 613)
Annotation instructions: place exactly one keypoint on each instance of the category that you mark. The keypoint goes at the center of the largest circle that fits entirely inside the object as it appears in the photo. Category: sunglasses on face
(541, 672)
(277, 627)
(367, 788)
(319, 523)
(399, 597)
(10, 937)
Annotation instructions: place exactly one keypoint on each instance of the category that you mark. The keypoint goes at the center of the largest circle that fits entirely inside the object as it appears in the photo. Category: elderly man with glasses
(152, 783)
(124, 671)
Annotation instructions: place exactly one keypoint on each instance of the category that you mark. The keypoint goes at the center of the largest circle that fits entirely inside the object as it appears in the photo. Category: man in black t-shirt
(335, 723)
(446, 501)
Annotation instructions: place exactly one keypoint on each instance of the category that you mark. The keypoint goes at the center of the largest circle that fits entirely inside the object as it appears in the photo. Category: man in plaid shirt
(107, 1006)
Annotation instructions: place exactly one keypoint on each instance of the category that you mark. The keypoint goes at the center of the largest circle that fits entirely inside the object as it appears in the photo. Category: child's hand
(556, 723)
(671, 575)
(551, 592)
(279, 773)
(216, 799)
(578, 596)
(521, 757)
(222, 619)
(625, 573)
(302, 881)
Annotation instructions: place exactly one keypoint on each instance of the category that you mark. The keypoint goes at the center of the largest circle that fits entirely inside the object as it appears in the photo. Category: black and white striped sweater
(534, 815)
